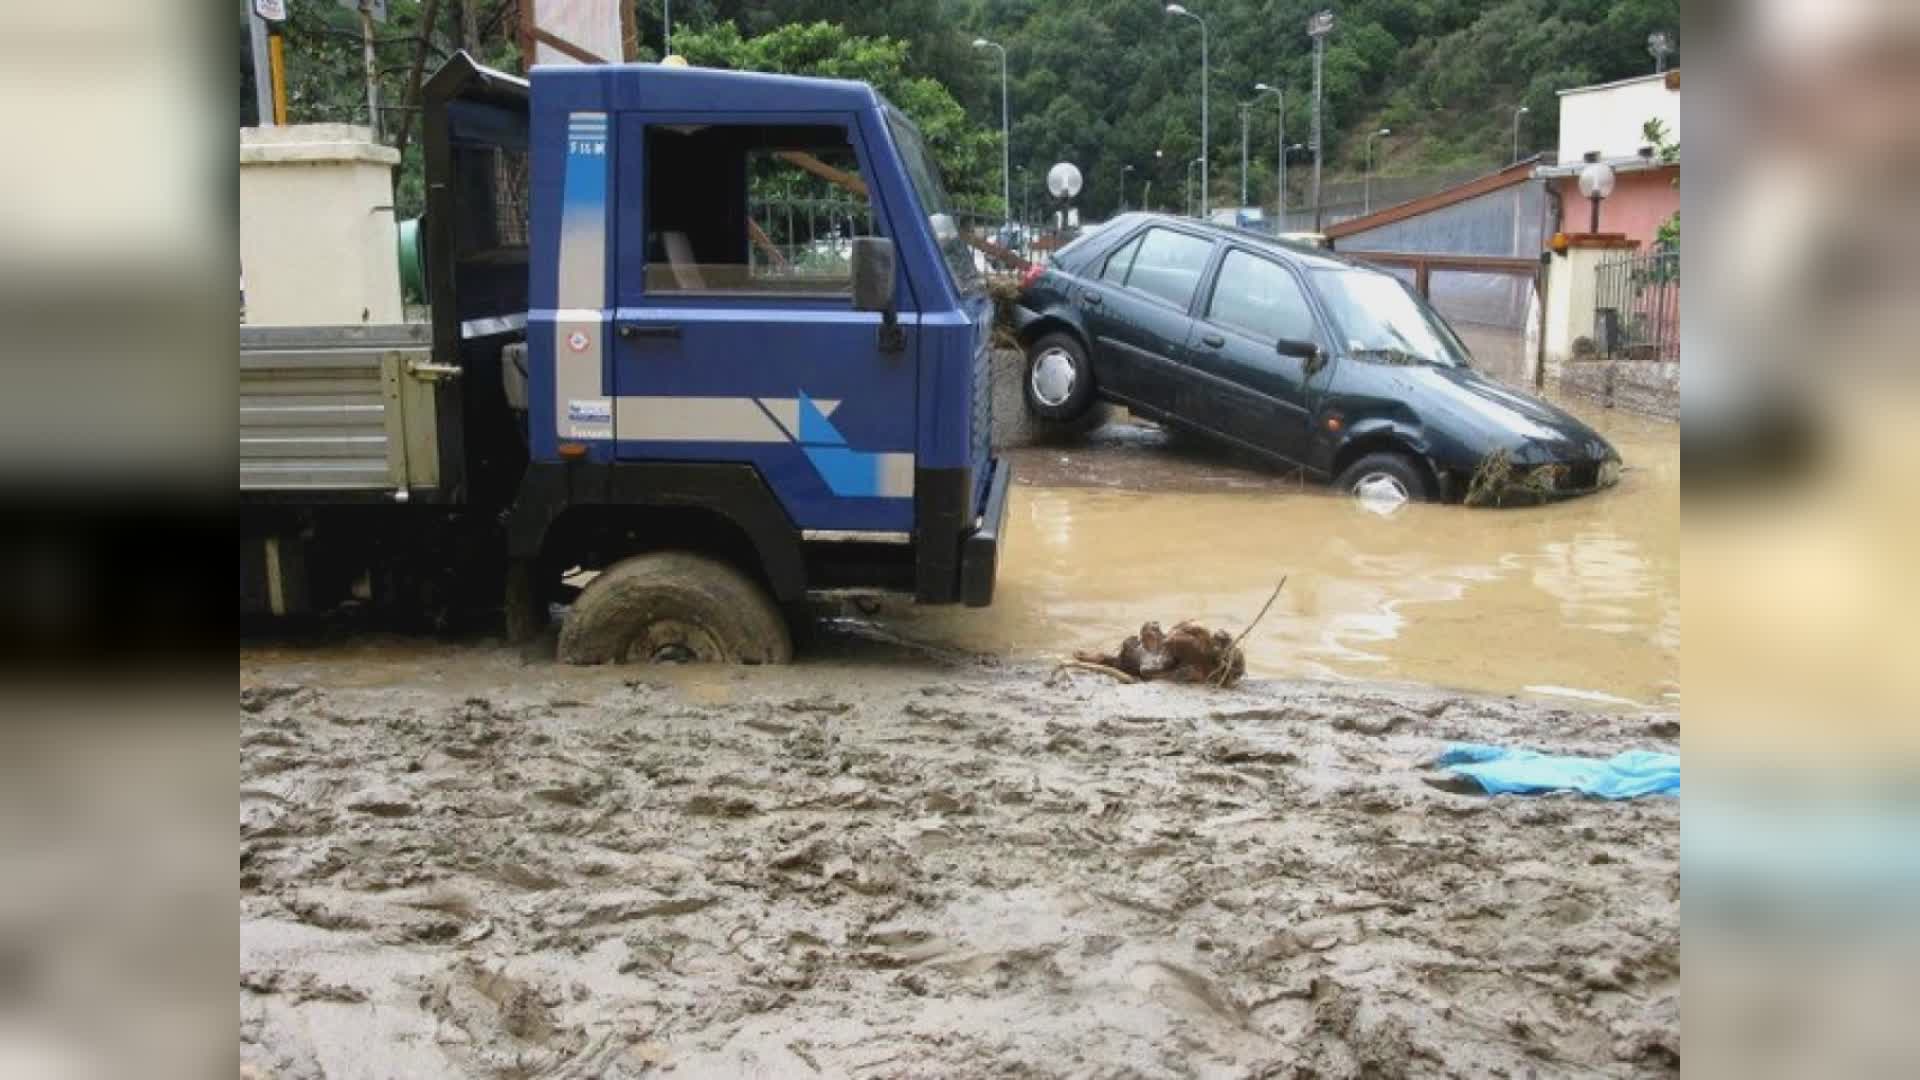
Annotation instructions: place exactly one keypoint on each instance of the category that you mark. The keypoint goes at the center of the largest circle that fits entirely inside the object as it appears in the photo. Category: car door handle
(1091, 298)
(1212, 341)
(654, 331)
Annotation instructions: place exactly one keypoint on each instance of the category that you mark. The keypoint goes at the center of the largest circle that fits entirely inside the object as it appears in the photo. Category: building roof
(1672, 79)
(1517, 173)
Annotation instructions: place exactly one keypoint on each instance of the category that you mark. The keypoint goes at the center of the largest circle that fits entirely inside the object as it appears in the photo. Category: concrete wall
(1609, 118)
(317, 231)
(1651, 388)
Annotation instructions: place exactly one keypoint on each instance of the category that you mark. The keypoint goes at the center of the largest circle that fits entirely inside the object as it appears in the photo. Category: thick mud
(457, 863)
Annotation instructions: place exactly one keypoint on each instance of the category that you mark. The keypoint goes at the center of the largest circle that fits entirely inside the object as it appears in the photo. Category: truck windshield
(1386, 323)
(924, 175)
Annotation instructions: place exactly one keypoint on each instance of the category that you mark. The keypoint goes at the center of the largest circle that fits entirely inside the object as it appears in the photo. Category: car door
(736, 337)
(1238, 383)
(1136, 307)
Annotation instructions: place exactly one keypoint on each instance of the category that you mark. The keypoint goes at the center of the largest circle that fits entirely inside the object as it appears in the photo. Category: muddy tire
(674, 605)
(1397, 470)
(1058, 387)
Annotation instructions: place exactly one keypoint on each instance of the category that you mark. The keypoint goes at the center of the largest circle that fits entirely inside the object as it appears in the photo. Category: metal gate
(1637, 307)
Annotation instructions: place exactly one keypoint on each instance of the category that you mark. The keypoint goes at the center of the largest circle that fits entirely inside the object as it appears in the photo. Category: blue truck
(635, 396)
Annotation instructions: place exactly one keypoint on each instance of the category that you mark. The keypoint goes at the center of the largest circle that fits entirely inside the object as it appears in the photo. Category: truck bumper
(980, 551)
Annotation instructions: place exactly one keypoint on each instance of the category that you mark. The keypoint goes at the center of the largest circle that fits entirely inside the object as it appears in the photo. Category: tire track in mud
(937, 872)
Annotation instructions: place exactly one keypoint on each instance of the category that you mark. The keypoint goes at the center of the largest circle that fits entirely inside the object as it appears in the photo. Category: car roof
(1301, 255)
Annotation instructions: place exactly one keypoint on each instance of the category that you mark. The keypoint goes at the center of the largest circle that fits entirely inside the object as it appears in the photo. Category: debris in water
(1381, 496)
(1188, 653)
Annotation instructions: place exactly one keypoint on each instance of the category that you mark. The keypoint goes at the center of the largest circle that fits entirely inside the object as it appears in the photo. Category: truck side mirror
(1305, 350)
(872, 274)
(873, 287)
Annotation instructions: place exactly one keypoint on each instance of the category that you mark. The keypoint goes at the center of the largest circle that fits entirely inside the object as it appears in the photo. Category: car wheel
(674, 606)
(1385, 476)
(1059, 383)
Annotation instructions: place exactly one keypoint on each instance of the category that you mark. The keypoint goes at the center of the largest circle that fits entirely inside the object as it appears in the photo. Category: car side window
(1121, 261)
(1261, 299)
(1168, 265)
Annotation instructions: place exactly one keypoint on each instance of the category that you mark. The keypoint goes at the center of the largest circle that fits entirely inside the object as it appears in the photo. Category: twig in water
(1082, 665)
(1226, 662)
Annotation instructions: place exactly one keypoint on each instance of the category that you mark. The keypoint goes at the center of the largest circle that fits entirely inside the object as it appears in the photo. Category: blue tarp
(1501, 770)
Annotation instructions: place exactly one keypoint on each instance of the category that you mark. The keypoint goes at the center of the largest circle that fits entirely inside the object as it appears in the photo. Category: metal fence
(1637, 307)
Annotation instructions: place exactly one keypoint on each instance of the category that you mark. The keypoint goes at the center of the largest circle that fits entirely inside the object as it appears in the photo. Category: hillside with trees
(1101, 83)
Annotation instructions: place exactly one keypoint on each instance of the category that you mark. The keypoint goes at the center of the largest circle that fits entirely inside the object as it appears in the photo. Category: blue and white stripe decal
(782, 421)
(583, 409)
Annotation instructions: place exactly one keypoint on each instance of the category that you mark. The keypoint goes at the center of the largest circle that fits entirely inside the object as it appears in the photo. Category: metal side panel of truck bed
(343, 409)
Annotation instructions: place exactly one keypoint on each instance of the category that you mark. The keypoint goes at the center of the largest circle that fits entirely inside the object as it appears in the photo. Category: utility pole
(1244, 106)
(373, 72)
(1518, 112)
(1280, 151)
(1318, 27)
(262, 76)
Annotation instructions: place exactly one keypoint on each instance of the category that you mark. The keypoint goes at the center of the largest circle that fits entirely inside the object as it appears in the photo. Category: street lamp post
(1280, 143)
(1318, 27)
(1244, 106)
(1176, 9)
(1006, 152)
(1369, 180)
(1124, 170)
(1146, 198)
(1518, 112)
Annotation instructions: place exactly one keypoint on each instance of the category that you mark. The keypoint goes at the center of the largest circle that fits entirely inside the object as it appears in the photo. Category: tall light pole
(1176, 9)
(1318, 27)
(1518, 112)
(1280, 144)
(1124, 170)
(1369, 180)
(1244, 106)
(1006, 154)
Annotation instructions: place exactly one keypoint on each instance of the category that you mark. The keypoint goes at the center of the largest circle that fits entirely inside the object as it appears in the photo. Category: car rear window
(1168, 265)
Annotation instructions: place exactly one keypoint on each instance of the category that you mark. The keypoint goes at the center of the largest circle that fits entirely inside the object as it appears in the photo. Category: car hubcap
(1054, 374)
(1381, 487)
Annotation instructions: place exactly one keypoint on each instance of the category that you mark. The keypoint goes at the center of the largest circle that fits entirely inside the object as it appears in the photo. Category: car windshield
(924, 175)
(1385, 322)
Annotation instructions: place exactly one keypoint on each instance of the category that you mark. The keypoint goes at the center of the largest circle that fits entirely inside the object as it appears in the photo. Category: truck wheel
(674, 606)
(1388, 472)
(1059, 383)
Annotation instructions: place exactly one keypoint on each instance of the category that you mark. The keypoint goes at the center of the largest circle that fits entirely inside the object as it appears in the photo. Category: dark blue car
(1305, 358)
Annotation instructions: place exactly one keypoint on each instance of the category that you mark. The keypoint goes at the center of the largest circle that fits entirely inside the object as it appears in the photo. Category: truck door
(735, 337)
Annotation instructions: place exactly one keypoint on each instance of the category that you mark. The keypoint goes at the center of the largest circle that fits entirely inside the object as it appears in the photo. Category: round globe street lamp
(1660, 44)
(1280, 143)
(1596, 183)
(1176, 9)
(1518, 112)
(1006, 152)
(1369, 178)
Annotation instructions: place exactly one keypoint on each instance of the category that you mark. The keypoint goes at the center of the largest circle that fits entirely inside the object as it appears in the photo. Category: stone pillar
(317, 231)
(1572, 286)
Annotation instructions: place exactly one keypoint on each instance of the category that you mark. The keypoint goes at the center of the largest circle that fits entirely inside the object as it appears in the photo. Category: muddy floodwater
(1579, 599)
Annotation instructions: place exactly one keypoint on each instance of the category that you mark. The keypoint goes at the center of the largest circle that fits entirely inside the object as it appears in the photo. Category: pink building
(1608, 123)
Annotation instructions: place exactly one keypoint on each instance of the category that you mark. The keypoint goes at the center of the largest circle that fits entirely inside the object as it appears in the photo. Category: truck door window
(753, 208)
(1168, 265)
(1261, 299)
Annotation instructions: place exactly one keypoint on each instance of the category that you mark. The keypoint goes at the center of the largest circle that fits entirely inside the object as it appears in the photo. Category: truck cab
(691, 380)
